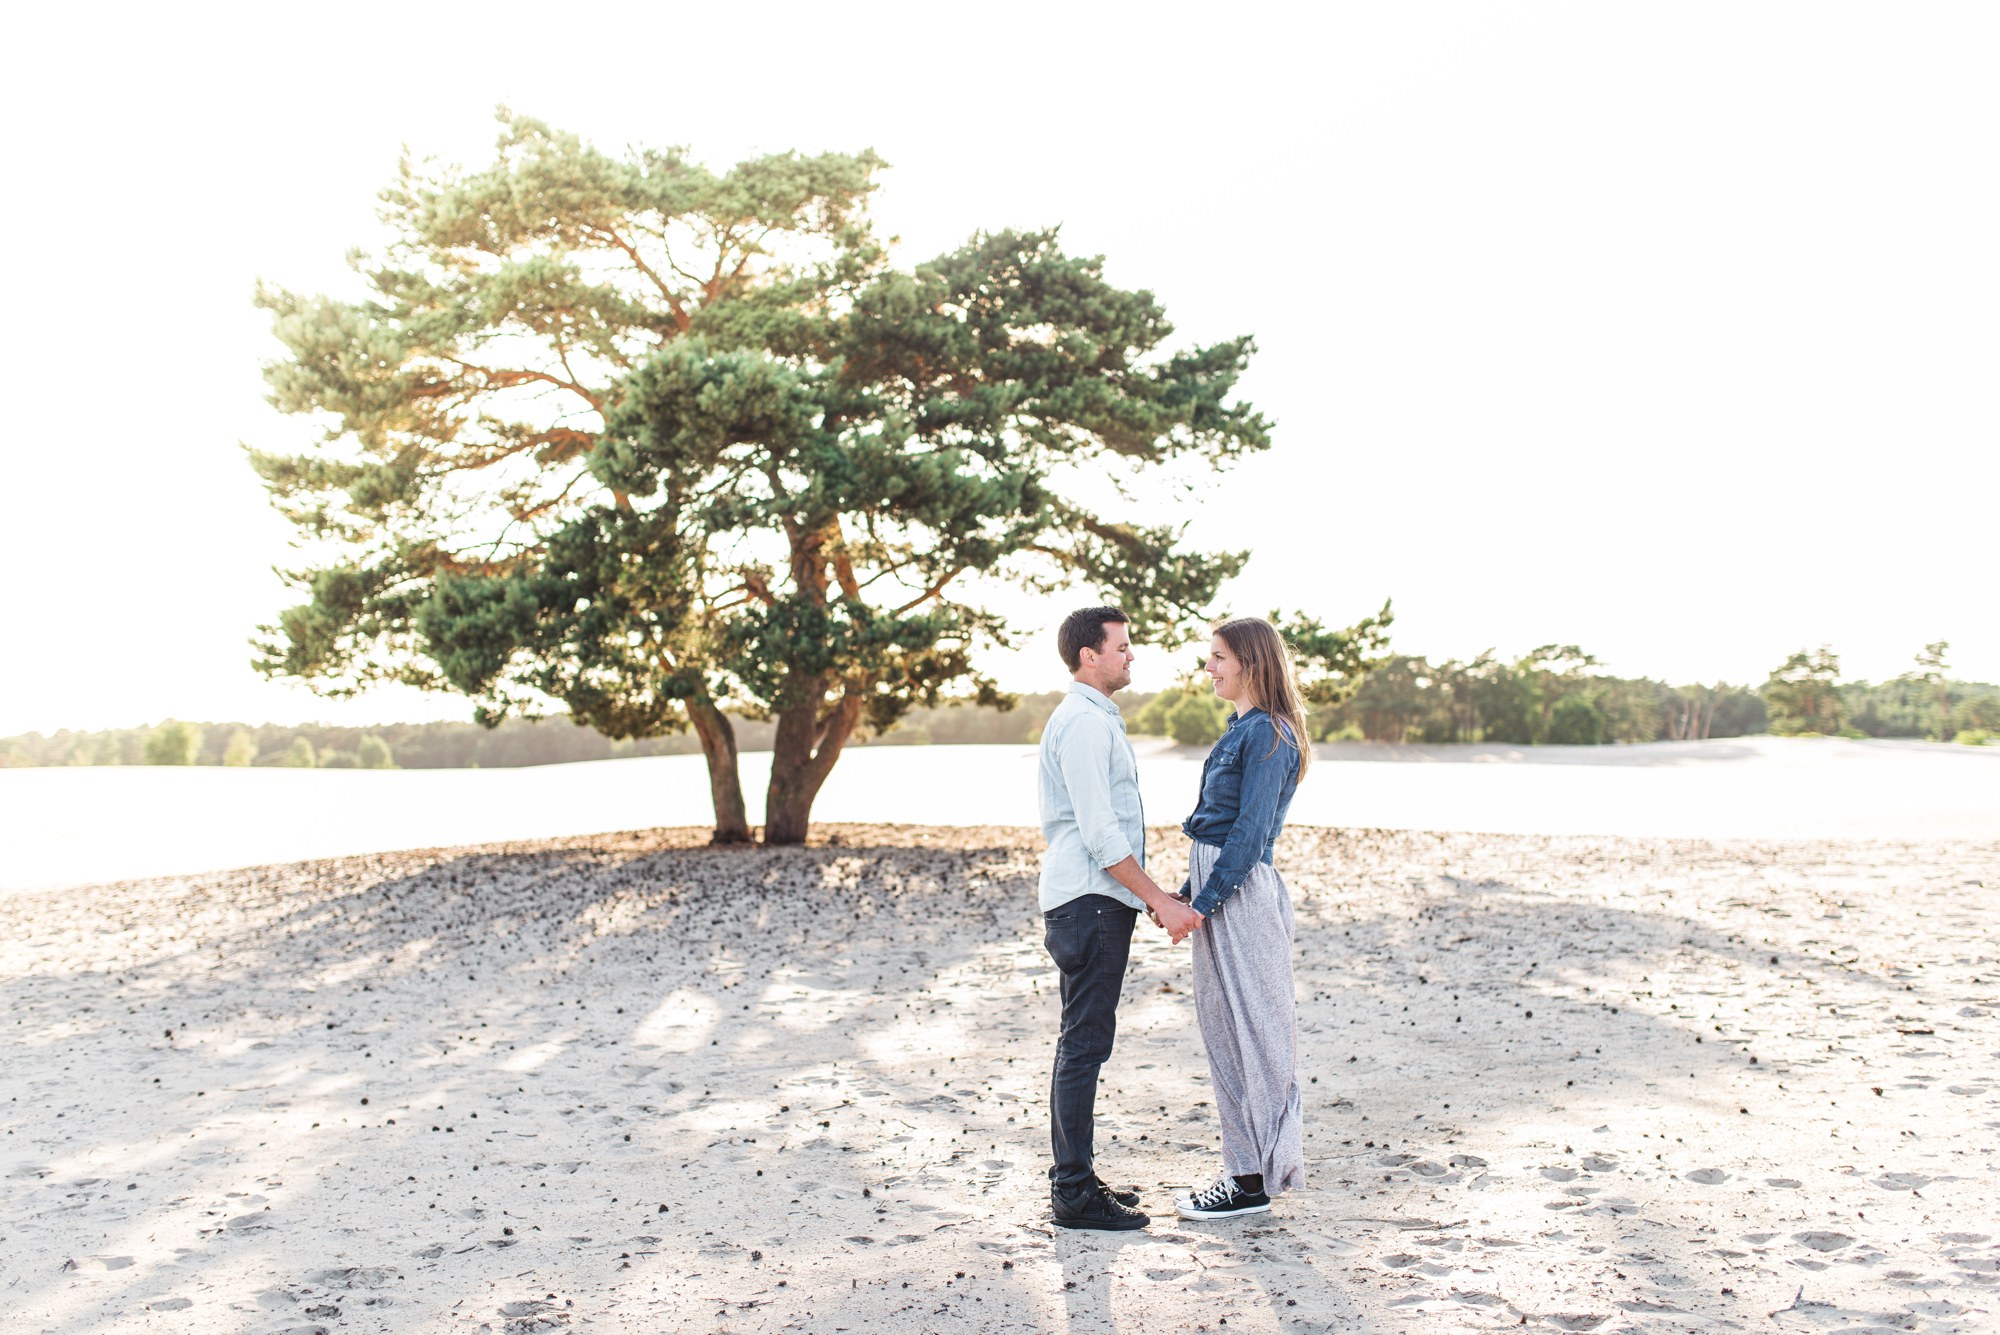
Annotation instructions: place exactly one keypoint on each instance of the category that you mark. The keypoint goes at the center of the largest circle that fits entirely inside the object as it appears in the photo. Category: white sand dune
(630, 1084)
(77, 826)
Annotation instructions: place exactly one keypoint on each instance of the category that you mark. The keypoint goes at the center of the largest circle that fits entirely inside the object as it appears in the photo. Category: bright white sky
(1666, 330)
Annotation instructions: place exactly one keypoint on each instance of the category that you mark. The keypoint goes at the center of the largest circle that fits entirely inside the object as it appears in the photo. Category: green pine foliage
(668, 448)
(1804, 697)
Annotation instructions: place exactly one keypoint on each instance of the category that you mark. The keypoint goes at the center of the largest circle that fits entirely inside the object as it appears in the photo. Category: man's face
(1109, 666)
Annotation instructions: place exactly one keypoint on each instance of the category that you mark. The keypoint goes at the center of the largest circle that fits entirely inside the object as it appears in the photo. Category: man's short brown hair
(1084, 629)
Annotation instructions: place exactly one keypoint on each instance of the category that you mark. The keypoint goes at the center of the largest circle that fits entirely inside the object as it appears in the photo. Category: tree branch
(834, 730)
(681, 317)
(724, 238)
(930, 593)
(508, 379)
(843, 563)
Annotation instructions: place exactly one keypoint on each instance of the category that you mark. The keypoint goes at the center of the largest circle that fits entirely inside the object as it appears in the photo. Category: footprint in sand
(1822, 1241)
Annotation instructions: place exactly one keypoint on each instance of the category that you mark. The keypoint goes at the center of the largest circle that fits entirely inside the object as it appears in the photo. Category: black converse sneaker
(1092, 1205)
(1129, 1196)
(1223, 1200)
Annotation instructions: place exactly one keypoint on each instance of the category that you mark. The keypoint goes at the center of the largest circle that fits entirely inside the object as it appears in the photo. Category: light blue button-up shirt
(1092, 817)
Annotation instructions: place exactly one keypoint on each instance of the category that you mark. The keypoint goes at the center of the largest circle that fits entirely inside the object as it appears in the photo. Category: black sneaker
(1093, 1206)
(1223, 1200)
(1130, 1196)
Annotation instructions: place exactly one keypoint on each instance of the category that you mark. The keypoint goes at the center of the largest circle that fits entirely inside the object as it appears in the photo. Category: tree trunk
(725, 784)
(802, 755)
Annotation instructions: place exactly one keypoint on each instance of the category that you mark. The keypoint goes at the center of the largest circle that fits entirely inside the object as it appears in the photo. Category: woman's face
(1225, 670)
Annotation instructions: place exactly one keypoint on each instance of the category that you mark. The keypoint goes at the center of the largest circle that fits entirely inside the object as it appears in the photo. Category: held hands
(1174, 915)
(1179, 920)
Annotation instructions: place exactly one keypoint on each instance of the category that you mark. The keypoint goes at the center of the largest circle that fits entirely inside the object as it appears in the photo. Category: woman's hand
(1179, 920)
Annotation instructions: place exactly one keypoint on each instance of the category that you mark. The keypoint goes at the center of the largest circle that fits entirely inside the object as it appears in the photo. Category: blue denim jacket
(1246, 789)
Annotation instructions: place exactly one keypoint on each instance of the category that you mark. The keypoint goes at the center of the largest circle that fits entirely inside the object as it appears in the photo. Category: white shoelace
(1208, 1198)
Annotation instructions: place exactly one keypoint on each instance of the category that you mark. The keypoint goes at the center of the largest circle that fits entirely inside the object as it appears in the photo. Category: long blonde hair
(1267, 669)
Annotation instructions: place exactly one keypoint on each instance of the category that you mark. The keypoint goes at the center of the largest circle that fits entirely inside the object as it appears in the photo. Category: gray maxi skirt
(1248, 1012)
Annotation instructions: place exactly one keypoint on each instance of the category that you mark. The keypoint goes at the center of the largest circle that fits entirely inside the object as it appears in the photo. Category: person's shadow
(1262, 1261)
(1088, 1257)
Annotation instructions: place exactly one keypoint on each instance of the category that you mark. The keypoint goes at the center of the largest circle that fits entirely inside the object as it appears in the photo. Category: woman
(1243, 994)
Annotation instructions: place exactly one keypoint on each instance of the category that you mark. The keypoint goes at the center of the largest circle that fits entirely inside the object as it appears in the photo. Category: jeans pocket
(1068, 940)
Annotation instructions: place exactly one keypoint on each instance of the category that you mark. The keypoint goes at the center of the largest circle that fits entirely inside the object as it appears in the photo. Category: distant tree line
(512, 744)
(1552, 696)
(1555, 695)
(1807, 698)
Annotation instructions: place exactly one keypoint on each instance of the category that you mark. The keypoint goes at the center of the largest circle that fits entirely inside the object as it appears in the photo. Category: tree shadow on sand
(848, 1042)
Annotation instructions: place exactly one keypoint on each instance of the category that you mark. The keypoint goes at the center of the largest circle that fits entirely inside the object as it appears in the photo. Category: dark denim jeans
(1090, 939)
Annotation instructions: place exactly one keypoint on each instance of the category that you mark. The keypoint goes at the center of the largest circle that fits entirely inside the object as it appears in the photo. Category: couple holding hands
(1233, 907)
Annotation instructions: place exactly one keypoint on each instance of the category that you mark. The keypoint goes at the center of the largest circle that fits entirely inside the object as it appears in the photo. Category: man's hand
(1170, 913)
(1179, 919)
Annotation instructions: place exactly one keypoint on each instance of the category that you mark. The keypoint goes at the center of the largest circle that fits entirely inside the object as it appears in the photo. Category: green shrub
(1976, 737)
(173, 743)
(1194, 721)
(1151, 717)
(1575, 722)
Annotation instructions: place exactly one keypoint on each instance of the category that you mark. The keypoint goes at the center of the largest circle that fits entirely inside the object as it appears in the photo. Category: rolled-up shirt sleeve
(1264, 775)
(1085, 758)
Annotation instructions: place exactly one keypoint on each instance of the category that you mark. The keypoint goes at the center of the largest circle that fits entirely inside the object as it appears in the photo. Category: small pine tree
(1804, 697)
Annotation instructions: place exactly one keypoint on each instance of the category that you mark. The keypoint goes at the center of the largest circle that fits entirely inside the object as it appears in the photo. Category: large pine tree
(657, 442)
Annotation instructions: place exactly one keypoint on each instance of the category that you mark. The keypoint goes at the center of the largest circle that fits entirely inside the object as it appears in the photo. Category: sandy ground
(627, 1083)
(169, 821)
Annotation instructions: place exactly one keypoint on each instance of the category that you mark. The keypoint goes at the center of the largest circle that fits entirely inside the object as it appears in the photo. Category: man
(1093, 885)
